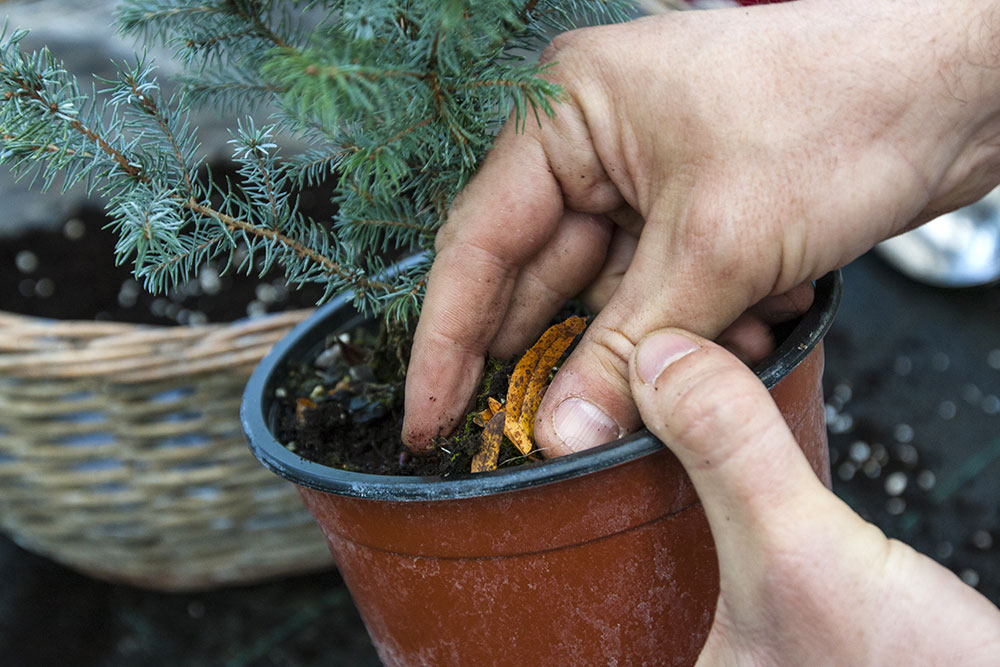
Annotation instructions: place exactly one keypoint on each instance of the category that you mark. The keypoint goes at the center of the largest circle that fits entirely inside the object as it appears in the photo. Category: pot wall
(614, 567)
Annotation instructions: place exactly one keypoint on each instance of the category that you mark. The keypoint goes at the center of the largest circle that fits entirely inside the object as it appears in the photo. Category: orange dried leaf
(527, 383)
(486, 458)
(486, 415)
(517, 435)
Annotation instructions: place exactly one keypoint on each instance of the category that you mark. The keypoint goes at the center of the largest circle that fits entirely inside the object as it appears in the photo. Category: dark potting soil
(334, 411)
(70, 274)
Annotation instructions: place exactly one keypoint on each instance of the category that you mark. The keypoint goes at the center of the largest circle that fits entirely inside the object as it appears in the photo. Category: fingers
(751, 337)
(619, 255)
(506, 214)
(719, 420)
(567, 264)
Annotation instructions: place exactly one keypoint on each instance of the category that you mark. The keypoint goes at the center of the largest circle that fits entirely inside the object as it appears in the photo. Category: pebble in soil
(897, 479)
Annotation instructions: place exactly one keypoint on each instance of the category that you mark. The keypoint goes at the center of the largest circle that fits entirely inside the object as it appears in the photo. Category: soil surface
(70, 274)
(336, 412)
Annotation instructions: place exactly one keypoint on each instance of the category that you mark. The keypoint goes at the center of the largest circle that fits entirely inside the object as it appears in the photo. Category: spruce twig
(397, 101)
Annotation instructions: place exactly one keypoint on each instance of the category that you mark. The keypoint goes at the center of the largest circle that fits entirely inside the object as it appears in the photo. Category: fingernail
(582, 425)
(659, 351)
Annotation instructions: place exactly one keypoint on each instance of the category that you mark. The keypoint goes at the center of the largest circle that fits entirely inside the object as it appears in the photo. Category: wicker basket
(121, 454)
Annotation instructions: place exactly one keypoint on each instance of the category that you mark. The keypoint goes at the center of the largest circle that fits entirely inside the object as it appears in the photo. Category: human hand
(803, 579)
(701, 162)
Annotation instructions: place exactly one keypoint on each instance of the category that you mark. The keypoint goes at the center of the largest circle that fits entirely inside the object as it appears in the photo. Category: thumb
(721, 423)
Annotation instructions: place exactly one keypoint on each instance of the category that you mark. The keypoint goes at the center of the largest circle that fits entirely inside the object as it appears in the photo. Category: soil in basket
(70, 274)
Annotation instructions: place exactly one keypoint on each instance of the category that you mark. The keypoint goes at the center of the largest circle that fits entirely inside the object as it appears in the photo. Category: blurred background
(913, 410)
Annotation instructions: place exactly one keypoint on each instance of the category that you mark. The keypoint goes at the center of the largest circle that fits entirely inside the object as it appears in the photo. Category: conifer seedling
(396, 101)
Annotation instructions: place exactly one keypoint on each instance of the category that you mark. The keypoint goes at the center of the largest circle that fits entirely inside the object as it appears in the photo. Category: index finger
(499, 222)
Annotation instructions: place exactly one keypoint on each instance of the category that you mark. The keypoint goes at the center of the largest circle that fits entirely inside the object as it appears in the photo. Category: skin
(702, 162)
(803, 579)
(703, 167)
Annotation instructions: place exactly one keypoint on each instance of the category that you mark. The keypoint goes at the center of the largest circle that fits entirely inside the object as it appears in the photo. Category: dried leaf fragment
(516, 434)
(489, 452)
(486, 415)
(527, 383)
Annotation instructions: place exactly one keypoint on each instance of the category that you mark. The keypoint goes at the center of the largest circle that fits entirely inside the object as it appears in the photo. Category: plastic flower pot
(602, 557)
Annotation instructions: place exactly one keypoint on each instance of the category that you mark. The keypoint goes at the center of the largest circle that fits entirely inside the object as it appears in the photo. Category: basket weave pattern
(121, 453)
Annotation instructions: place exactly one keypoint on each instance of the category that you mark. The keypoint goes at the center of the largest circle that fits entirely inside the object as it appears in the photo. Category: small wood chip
(516, 434)
(489, 452)
(303, 405)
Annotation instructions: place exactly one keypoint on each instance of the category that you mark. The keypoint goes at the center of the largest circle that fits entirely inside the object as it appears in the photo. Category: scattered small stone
(26, 261)
(880, 454)
(74, 229)
(843, 392)
(871, 469)
(944, 550)
(328, 358)
(895, 506)
(209, 280)
(971, 393)
(197, 318)
(319, 391)
(846, 470)
(969, 576)
(26, 287)
(903, 433)
(256, 309)
(947, 410)
(45, 288)
(280, 392)
(991, 404)
(266, 293)
(926, 480)
(128, 294)
(895, 483)
(993, 359)
(842, 423)
(159, 307)
(196, 609)
(859, 451)
(940, 361)
(907, 454)
(982, 539)
(902, 366)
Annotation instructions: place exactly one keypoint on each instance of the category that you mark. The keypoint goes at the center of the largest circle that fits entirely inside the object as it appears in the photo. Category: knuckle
(611, 347)
(560, 45)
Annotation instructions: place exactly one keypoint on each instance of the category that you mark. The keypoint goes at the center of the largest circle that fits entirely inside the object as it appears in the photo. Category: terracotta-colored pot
(598, 558)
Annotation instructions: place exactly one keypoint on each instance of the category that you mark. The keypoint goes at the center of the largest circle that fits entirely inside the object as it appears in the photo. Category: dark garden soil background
(913, 408)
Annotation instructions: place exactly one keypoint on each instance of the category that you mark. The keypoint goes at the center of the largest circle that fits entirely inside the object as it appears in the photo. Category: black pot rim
(255, 408)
